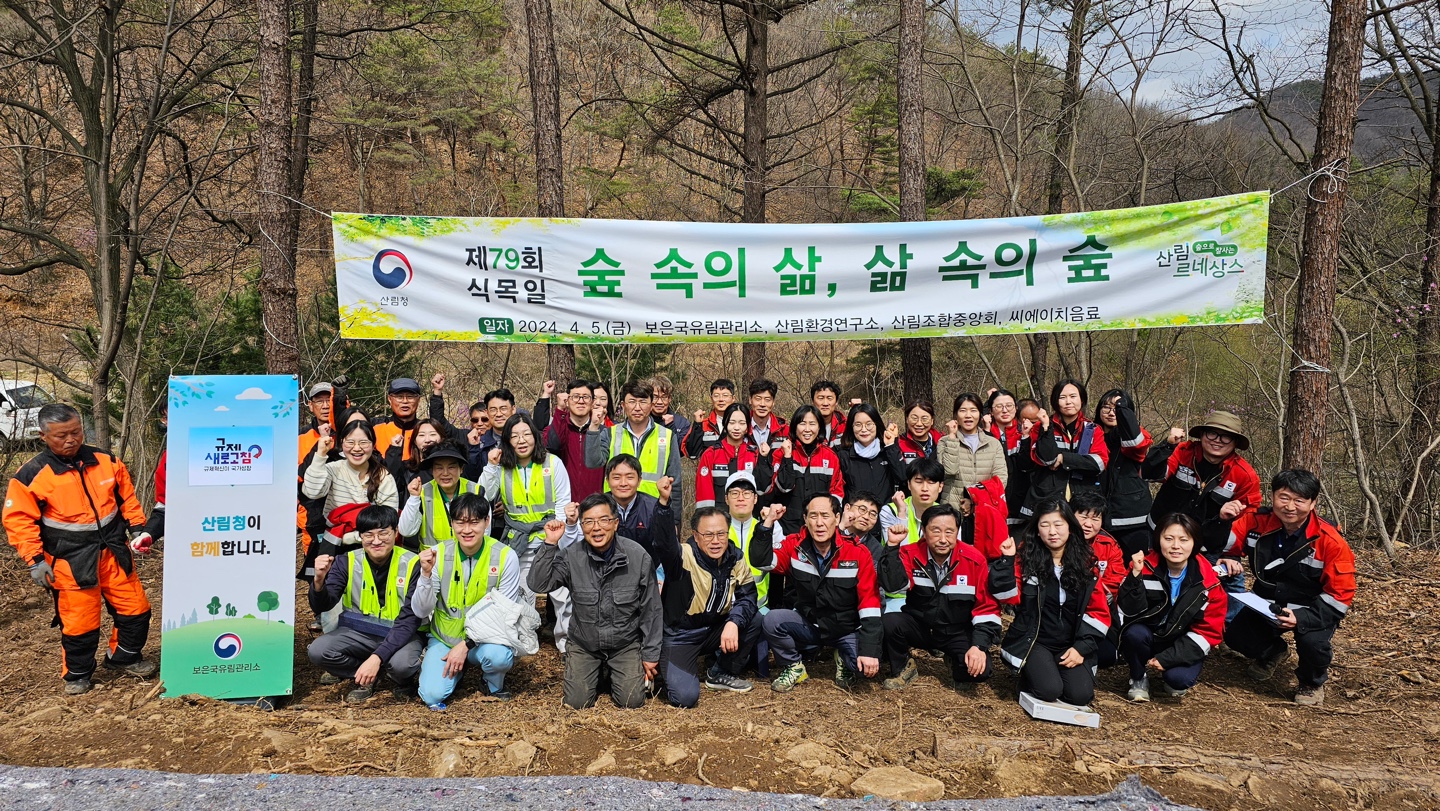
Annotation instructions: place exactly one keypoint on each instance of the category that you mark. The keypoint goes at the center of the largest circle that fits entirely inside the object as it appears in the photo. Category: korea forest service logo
(227, 646)
(392, 269)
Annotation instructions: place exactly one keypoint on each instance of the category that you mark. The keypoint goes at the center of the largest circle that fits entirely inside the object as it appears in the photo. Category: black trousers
(903, 632)
(1043, 677)
(1255, 636)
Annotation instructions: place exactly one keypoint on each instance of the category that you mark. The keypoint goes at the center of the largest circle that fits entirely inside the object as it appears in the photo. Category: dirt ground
(1230, 744)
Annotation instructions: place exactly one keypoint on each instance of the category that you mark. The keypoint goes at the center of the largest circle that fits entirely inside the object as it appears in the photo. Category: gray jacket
(615, 602)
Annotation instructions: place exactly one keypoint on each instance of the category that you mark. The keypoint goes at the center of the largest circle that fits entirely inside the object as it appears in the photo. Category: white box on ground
(1059, 712)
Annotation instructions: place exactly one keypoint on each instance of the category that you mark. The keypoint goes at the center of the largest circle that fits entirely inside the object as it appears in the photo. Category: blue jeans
(494, 662)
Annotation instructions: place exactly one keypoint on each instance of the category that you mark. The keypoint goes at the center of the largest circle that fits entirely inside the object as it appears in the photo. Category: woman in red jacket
(804, 467)
(734, 454)
(1174, 609)
(1060, 613)
(920, 439)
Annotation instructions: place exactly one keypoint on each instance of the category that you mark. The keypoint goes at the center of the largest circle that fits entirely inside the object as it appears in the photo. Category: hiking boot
(501, 695)
(330, 678)
(360, 694)
(315, 627)
(142, 668)
(718, 679)
(1139, 689)
(789, 677)
(1310, 696)
(845, 678)
(901, 680)
(1263, 668)
(404, 692)
(77, 687)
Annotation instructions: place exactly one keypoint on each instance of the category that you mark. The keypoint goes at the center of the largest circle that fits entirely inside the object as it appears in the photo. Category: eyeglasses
(580, 398)
(356, 444)
(407, 398)
(377, 536)
(476, 420)
(1216, 436)
(865, 511)
(712, 536)
(596, 523)
(998, 407)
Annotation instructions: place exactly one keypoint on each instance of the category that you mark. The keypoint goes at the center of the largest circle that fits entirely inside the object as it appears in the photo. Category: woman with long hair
(804, 468)
(1174, 609)
(734, 454)
(1061, 616)
(348, 484)
(1067, 451)
(864, 464)
(407, 466)
(601, 403)
(1122, 483)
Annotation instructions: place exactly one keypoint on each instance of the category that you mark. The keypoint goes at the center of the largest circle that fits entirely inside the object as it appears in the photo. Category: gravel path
(116, 789)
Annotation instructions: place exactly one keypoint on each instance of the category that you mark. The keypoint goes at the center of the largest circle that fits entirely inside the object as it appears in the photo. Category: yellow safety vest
(360, 606)
(912, 521)
(654, 457)
(456, 596)
(435, 512)
(762, 578)
(529, 496)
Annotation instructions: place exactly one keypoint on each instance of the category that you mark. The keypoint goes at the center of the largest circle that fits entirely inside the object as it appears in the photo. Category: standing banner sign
(229, 609)
(627, 281)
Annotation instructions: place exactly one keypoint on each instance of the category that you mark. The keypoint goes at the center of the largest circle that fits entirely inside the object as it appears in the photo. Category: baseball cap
(400, 384)
(742, 479)
(321, 388)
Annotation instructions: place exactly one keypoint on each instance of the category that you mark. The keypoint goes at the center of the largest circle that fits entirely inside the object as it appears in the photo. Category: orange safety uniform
(74, 513)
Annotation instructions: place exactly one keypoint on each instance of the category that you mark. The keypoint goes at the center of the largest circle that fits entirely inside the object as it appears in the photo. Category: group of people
(834, 530)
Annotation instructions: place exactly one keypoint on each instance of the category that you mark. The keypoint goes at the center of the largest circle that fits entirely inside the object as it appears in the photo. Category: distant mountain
(1386, 126)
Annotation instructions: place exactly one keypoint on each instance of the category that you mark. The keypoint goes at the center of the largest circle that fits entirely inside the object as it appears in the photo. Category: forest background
(166, 167)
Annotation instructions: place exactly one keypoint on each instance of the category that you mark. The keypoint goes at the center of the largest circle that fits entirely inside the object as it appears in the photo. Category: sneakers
(717, 679)
(1263, 668)
(438, 706)
(789, 677)
(330, 678)
(360, 694)
(844, 677)
(901, 680)
(501, 695)
(315, 627)
(142, 668)
(1139, 689)
(1310, 696)
(1171, 692)
(404, 692)
(77, 687)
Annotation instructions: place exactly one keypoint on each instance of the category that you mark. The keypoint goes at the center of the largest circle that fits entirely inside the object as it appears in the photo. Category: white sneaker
(1139, 689)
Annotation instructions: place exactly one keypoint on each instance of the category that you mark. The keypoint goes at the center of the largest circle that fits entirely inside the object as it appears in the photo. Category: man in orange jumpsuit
(69, 513)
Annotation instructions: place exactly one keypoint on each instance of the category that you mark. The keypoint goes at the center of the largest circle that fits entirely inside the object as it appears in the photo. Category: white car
(20, 402)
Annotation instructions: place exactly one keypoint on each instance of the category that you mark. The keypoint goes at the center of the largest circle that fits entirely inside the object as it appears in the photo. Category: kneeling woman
(1174, 610)
(1061, 616)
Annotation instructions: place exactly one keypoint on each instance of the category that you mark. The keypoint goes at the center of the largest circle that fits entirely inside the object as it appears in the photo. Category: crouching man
(372, 585)
(947, 603)
(710, 603)
(454, 577)
(616, 619)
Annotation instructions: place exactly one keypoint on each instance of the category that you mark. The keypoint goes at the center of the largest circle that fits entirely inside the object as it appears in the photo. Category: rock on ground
(520, 754)
(898, 783)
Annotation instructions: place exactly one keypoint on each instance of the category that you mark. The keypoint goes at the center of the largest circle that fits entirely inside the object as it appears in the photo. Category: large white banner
(629, 281)
(229, 610)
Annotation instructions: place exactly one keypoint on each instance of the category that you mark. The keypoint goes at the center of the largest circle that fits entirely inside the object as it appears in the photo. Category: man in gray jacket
(617, 621)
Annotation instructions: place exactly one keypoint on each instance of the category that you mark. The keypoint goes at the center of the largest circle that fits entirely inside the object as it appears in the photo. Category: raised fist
(896, 534)
(474, 436)
(854, 401)
(322, 566)
(666, 486)
(572, 513)
(398, 441)
(437, 383)
(324, 445)
(953, 427)
(669, 419)
(786, 448)
(892, 433)
(554, 529)
(764, 449)
(548, 389)
(1007, 547)
(1177, 435)
(1044, 420)
(898, 500)
(699, 417)
(414, 487)
(771, 514)
(493, 457)
(324, 429)
(986, 422)
(427, 561)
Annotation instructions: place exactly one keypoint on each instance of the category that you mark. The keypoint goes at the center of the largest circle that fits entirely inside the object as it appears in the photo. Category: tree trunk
(549, 160)
(1427, 330)
(758, 14)
(915, 353)
(1066, 124)
(1039, 365)
(304, 108)
(277, 267)
(1308, 400)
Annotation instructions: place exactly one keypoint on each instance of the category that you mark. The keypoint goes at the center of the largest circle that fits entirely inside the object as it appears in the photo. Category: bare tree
(273, 178)
(915, 353)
